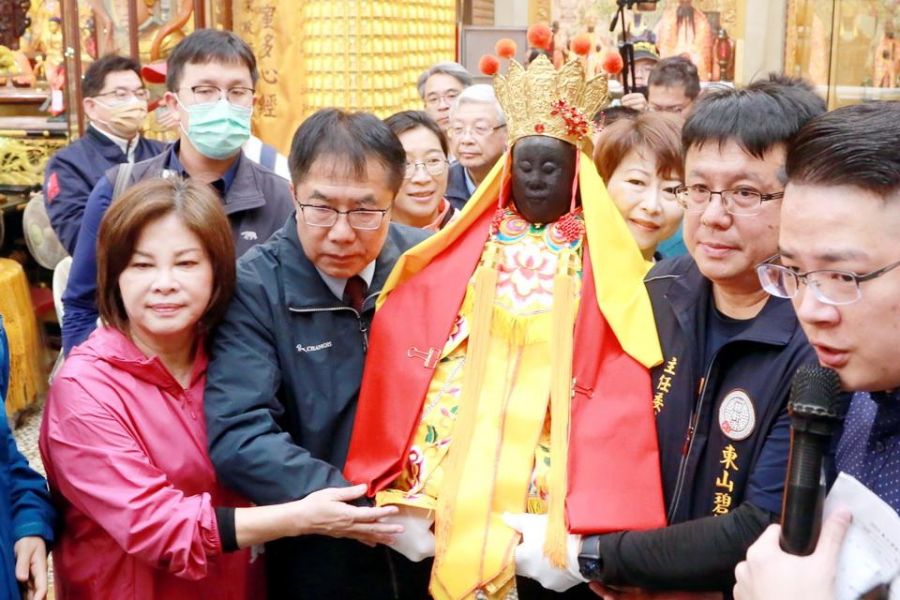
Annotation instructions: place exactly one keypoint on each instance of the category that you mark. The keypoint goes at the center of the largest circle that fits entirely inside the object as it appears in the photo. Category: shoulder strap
(123, 179)
(267, 157)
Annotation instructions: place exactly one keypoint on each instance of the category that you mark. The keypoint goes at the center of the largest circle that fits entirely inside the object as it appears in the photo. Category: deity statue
(685, 30)
(508, 361)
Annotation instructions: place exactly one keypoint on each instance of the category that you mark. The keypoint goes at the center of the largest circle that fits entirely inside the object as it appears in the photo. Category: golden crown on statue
(539, 100)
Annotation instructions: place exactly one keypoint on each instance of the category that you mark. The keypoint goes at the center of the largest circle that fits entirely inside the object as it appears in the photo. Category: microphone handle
(804, 496)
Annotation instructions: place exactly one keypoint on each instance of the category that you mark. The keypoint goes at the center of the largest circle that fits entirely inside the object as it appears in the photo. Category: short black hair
(758, 117)
(406, 120)
(95, 76)
(204, 46)
(676, 71)
(353, 137)
(854, 145)
(609, 115)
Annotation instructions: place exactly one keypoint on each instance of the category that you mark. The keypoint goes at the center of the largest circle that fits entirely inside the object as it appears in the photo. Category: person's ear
(170, 100)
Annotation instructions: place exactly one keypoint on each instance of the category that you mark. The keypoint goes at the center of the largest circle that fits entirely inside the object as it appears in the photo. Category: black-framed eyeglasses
(476, 130)
(358, 218)
(829, 286)
(121, 95)
(741, 201)
(205, 94)
(432, 166)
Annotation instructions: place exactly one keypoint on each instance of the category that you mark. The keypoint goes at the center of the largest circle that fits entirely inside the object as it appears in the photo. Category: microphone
(816, 410)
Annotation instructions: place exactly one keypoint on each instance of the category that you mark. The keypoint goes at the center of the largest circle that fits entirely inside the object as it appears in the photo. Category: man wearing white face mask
(115, 102)
(210, 77)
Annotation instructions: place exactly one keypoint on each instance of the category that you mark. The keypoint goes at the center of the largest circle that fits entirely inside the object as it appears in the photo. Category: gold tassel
(485, 288)
(561, 388)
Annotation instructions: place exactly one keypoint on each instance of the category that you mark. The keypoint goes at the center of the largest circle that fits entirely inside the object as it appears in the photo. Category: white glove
(417, 541)
(530, 559)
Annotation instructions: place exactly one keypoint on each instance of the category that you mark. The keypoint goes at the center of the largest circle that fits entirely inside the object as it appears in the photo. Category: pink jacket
(125, 451)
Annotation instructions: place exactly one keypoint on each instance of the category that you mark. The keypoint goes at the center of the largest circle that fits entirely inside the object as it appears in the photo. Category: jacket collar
(115, 348)
(241, 189)
(691, 293)
(107, 148)
(304, 288)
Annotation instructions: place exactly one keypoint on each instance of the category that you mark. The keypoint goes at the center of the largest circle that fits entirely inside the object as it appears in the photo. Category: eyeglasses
(207, 94)
(829, 286)
(432, 166)
(744, 202)
(476, 130)
(359, 218)
(122, 95)
(433, 100)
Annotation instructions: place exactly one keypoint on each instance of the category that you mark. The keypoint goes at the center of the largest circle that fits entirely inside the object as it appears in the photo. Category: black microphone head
(816, 394)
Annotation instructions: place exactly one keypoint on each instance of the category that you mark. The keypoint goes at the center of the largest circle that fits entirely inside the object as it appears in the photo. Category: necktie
(355, 292)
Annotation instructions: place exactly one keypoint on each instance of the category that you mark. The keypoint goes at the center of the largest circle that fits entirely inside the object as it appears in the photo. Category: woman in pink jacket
(124, 438)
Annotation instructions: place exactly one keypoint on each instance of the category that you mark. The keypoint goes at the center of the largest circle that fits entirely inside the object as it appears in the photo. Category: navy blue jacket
(285, 370)
(457, 190)
(723, 428)
(25, 508)
(256, 201)
(73, 172)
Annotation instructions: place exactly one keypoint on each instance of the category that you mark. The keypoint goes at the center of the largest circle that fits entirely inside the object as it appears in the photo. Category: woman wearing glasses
(420, 202)
(640, 161)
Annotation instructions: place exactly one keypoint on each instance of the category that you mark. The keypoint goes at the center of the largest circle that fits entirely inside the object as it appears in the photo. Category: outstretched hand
(326, 512)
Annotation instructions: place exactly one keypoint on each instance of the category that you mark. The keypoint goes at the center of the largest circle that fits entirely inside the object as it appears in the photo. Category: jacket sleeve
(66, 194)
(80, 298)
(250, 451)
(659, 558)
(32, 512)
(100, 469)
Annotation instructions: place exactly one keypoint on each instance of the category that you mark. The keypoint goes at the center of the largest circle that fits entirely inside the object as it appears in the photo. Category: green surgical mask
(217, 129)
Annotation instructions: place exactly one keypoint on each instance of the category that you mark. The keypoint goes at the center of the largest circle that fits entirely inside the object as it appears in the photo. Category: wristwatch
(590, 563)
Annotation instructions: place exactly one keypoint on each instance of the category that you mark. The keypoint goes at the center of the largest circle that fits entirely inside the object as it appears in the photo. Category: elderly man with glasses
(837, 261)
(287, 360)
(115, 102)
(729, 352)
(477, 135)
(210, 78)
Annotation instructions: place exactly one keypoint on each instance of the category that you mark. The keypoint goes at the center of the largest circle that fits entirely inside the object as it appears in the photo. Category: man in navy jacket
(838, 262)
(115, 102)
(729, 350)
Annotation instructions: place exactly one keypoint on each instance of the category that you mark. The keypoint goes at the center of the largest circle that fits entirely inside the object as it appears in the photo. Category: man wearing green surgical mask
(115, 103)
(210, 77)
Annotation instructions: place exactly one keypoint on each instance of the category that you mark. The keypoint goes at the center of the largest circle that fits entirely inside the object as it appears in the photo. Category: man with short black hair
(115, 103)
(729, 351)
(838, 258)
(673, 86)
(299, 324)
(439, 86)
(210, 77)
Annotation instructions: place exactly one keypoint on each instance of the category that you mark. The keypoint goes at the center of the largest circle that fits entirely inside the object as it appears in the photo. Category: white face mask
(125, 120)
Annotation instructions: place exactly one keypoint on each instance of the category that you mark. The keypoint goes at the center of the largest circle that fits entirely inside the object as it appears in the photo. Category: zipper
(362, 326)
(689, 440)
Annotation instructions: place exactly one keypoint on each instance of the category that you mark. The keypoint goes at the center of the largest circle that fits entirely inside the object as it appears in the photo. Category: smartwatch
(590, 563)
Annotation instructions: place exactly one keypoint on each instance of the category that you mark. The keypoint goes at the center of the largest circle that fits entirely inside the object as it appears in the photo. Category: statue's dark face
(543, 171)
